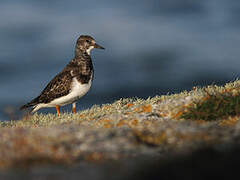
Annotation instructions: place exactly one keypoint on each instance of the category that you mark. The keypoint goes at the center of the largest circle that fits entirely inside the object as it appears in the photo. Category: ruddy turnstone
(73, 82)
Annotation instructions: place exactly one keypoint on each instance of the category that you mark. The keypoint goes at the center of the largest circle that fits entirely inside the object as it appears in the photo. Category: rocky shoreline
(136, 130)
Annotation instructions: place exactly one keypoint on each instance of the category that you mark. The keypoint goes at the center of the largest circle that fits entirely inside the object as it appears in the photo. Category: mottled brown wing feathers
(59, 86)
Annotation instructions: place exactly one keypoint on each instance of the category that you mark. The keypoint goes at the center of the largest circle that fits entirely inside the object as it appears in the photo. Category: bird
(73, 82)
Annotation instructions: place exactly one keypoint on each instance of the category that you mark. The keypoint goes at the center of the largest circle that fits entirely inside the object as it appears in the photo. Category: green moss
(217, 103)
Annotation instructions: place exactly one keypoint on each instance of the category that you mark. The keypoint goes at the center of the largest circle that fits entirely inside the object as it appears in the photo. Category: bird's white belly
(78, 90)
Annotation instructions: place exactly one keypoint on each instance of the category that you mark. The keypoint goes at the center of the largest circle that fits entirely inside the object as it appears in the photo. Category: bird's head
(86, 43)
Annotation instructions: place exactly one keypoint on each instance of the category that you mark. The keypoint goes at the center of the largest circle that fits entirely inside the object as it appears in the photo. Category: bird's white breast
(77, 91)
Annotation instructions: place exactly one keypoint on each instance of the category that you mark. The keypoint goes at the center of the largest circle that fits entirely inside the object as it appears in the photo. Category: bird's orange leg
(74, 108)
(57, 108)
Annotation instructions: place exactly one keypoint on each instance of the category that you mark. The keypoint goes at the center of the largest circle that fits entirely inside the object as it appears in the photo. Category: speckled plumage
(79, 68)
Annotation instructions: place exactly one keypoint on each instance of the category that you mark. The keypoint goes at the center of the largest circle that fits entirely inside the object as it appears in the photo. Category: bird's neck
(81, 53)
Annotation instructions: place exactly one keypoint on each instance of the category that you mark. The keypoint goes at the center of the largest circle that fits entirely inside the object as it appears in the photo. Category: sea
(153, 47)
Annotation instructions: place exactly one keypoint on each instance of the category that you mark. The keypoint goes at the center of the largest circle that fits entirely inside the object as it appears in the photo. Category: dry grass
(114, 130)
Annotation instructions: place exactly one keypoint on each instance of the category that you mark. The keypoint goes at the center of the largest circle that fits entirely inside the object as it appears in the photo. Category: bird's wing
(59, 86)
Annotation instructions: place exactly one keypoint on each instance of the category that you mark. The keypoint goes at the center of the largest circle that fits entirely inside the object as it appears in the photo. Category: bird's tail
(32, 103)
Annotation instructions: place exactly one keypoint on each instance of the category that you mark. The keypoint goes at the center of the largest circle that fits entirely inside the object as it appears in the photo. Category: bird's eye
(87, 41)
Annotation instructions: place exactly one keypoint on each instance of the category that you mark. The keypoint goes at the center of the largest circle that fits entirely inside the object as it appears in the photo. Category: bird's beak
(98, 46)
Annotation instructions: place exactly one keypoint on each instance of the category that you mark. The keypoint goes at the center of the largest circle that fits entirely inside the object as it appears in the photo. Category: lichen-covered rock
(156, 127)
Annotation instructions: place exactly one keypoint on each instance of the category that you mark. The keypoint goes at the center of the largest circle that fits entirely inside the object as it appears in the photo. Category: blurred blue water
(152, 47)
